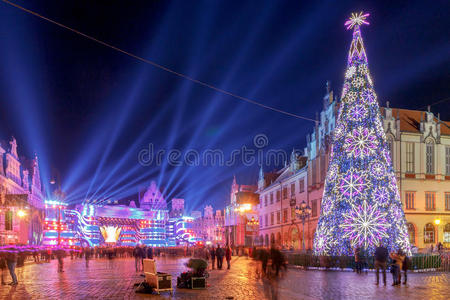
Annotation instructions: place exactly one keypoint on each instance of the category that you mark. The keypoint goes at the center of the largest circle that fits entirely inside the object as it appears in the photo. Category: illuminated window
(8, 220)
(409, 199)
(447, 200)
(292, 213)
(390, 144)
(285, 215)
(429, 156)
(430, 200)
(447, 160)
(314, 208)
(428, 233)
(447, 233)
(301, 185)
(409, 157)
(411, 233)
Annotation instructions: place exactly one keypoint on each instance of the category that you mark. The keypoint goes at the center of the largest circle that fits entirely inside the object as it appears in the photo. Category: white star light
(356, 19)
(365, 225)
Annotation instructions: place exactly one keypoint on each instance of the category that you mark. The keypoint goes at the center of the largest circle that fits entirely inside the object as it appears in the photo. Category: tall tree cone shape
(361, 204)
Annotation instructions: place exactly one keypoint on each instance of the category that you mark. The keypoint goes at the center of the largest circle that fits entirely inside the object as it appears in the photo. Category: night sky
(88, 110)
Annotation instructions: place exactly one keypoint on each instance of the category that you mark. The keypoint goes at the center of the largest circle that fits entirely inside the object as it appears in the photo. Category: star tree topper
(357, 19)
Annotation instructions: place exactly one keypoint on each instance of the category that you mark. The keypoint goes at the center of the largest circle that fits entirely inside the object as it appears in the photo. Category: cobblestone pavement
(115, 280)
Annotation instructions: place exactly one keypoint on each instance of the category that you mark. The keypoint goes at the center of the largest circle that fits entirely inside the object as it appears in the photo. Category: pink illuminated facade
(21, 197)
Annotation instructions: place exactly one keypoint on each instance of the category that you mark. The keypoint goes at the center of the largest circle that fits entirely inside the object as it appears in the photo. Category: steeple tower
(261, 181)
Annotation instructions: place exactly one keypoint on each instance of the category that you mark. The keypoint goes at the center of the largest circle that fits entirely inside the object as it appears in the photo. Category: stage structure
(118, 225)
(57, 229)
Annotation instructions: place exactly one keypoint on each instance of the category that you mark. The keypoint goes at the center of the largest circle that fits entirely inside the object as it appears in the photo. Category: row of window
(429, 233)
(269, 198)
(430, 200)
(265, 222)
(429, 156)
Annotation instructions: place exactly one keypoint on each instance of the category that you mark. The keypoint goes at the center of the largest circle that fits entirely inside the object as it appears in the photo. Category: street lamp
(253, 223)
(303, 212)
(21, 213)
(437, 222)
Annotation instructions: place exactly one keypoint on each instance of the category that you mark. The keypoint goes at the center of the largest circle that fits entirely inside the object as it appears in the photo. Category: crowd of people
(399, 264)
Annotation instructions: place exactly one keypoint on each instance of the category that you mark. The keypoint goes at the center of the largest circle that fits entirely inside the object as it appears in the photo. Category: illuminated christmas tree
(361, 204)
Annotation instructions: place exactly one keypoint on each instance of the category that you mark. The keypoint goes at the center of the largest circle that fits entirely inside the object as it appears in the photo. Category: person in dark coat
(219, 254)
(228, 256)
(381, 256)
(278, 260)
(264, 257)
(212, 253)
(137, 253)
(150, 253)
(405, 267)
(11, 261)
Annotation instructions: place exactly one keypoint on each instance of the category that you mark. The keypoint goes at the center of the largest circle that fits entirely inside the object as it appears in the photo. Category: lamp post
(253, 223)
(303, 212)
(437, 222)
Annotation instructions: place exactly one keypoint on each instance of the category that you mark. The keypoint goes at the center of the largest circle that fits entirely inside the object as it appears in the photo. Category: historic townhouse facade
(21, 197)
(420, 149)
(242, 207)
(279, 193)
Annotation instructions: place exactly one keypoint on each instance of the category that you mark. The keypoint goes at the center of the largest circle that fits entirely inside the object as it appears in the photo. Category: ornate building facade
(21, 197)
(279, 193)
(242, 208)
(420, 149)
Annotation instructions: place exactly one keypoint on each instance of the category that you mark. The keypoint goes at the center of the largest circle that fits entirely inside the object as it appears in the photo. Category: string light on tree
(361, 204)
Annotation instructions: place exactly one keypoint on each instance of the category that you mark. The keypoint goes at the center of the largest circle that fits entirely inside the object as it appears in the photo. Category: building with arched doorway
(420, 150)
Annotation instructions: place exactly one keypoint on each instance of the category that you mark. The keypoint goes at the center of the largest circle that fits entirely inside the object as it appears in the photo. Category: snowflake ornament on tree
(361, 142)
(365, 225)
(381, 196)
(377, 169)
(358, 112)
(361, 204)
(352, 185)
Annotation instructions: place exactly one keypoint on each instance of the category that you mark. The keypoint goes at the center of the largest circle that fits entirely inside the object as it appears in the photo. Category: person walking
(2, 266)
(381, 256)
(212, 253)
(397, 265)
(11, 261)
(228, 257)
(60, 256)
(264, 257)
(87, 256)
(357, 254)
(405, 268)
(137, 257)
(150, 252)
(219, 254)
